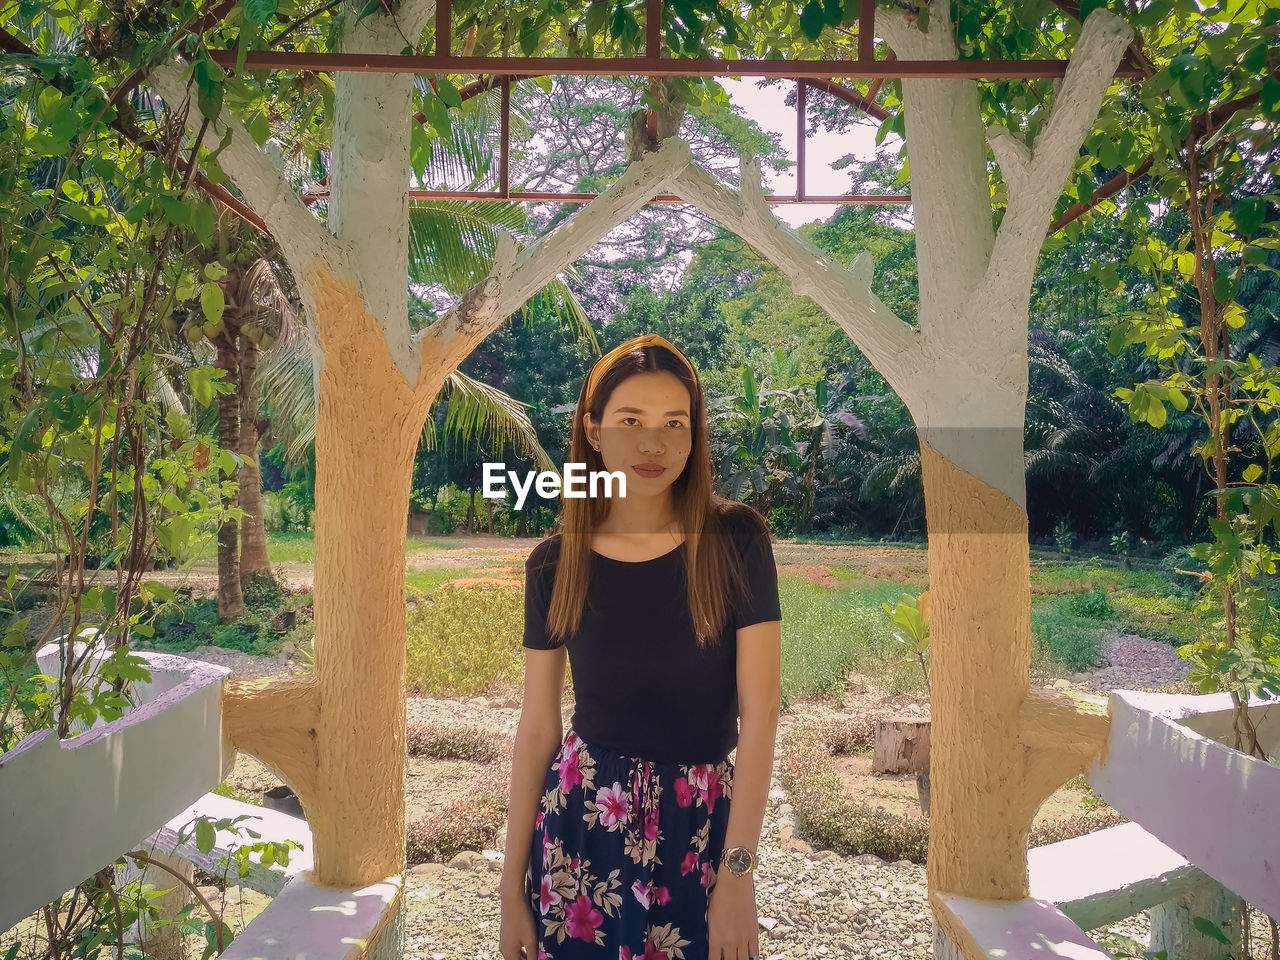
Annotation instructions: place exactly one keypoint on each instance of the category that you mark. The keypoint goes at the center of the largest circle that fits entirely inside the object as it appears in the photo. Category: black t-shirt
(642, 685)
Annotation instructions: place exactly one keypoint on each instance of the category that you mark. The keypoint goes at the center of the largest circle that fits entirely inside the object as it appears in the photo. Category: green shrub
(1074, 642)
(195, 624)
(461, 640)
(828, 819)
(1076, 826)
(447, 742)
(263, 590)
(251, 634)
(471, 822)
(1094, 605)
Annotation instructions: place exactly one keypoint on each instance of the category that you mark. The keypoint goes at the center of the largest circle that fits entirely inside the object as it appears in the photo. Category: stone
(467, 860)
(427, 869)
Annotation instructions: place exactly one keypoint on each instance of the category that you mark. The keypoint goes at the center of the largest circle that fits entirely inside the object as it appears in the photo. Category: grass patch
(259, 631)
(826, 634)
(427, 581)
(1074, 642)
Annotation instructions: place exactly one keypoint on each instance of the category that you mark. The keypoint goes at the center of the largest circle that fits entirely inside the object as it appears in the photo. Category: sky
(765, 107)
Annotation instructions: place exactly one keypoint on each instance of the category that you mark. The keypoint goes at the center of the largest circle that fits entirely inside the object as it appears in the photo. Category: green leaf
(437, 113)
(812, 18)
(1250, 214)
(209, 88)
(1252, 472)
(597, 18)
(260, 11)
(1088, 6)
(160, 591)
(206, 836)
(212, 301)
(529, 35)
(202, 383)
(1210, 929)
(1270, 98)
(833, 11)
(373, 6)
(447, 92)
(258, 128)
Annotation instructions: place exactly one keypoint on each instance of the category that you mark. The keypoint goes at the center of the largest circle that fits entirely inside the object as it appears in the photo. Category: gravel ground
(809, 903)
(1134, 664)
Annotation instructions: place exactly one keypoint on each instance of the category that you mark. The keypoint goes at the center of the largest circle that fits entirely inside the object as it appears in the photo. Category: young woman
(622, 841)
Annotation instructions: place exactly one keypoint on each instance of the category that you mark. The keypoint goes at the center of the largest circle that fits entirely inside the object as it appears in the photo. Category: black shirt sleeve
(538, 581)
(762, 602)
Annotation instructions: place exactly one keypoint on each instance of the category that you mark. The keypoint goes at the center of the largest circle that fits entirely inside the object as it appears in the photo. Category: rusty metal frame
(815, 74)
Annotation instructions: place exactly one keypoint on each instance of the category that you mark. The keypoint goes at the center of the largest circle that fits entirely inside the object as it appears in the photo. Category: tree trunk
(980, 645)
(901, 745)
(363, 481)
(253, 532)
(230, 597)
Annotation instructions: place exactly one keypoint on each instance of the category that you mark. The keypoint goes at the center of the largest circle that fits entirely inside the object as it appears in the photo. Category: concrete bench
(1110, 874)
(1012, 929)
(271, 825)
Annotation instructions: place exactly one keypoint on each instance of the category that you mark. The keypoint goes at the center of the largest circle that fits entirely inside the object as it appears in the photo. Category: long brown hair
(716, 578)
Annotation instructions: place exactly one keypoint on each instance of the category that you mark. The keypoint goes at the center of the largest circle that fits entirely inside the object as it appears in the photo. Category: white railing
(69, 808)
(1202, 820)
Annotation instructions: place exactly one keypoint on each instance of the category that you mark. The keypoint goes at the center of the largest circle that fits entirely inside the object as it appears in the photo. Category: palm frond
(452, 243)
(486, 415)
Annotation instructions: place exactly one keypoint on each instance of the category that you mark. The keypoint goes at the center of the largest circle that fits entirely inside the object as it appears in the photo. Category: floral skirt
(624, 854)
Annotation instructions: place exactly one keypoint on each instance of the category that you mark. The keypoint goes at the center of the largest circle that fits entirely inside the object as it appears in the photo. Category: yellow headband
(604, 363)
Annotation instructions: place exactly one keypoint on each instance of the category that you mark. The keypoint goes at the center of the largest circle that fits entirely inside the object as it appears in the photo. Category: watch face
(740, 861)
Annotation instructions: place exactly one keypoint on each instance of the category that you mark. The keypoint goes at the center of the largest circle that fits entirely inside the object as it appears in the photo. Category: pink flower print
(651, 825)
(653, 952)
(572, 740)
(542, 953)
(689, 864)
(684, 792)
(698, 775)
(641, 891)
(612, 804)
(570, 775)
(537, 821)
(582, 919)
(573, 864)
(662, 895)
(624, 952)
(548, 897)
(707, 874)
(715, 790)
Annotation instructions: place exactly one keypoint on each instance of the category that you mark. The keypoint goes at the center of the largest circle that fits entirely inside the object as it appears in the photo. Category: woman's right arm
(538, 739)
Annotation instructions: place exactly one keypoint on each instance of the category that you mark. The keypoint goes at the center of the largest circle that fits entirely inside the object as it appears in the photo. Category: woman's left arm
(731, 915)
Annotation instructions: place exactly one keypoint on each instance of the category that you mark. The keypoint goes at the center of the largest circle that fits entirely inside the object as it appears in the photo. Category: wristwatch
(739, 860)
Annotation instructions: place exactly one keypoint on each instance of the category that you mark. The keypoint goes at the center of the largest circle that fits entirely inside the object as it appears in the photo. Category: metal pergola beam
(551, 196)
(651, 66)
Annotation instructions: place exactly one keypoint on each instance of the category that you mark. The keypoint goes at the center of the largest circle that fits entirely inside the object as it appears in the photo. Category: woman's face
(646, 421)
